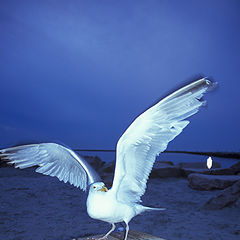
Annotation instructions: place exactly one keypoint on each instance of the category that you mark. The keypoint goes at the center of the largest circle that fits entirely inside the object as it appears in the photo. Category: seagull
(136, 151)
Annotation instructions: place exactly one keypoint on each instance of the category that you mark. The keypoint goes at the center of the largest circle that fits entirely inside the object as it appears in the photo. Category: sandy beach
(37, 207)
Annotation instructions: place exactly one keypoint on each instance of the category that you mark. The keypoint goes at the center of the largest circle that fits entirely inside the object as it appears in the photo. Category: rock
(166, 162)
(198, 165)
(107, 172)
(188, 171)
(164, 170)
(95, 162)
(227, 197)
(107, 179)
(222, 171)
(217, 171)
(209, 182)
(236, 167)
(108, 168)
(4, 164)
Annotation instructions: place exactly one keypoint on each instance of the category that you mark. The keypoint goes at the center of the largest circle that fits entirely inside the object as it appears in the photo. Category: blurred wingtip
(212, 84)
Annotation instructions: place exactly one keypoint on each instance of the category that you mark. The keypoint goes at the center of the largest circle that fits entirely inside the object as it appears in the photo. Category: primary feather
(149, 135)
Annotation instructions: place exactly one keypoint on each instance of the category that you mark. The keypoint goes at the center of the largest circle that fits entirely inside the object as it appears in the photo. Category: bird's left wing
(149, 135)
(53, 160)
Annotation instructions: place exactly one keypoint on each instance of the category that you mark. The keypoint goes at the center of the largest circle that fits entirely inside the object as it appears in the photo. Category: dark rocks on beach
(217, 171)
(201, 167)
(107, 179)
(108, 167)
(4, 164)
(198, 165)
(94, 161)
(164, 169)
(227, 197)
(166, 162)
(222, 171)
(107, 172)
(209, 182)
(236, 167)
(188, 171)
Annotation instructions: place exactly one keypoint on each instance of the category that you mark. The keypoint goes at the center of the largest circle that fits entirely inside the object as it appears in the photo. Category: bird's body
(145, 138)
(104, 206)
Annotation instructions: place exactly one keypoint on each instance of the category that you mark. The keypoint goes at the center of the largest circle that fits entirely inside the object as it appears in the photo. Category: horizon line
(233, 155)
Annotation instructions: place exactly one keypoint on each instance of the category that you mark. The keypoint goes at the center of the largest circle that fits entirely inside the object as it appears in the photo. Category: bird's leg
(111, 230)
(105, 236)
(126, 233)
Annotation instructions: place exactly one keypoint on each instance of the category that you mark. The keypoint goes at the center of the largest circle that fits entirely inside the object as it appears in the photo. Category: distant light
(209, 162)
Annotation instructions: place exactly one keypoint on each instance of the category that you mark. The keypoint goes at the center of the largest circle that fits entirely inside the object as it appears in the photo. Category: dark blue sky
(79, 71)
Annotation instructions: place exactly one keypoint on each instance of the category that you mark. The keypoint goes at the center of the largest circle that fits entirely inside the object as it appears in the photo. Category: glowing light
(209, 162)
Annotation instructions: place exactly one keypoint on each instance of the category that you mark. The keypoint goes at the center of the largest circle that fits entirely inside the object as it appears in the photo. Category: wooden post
(132, 235)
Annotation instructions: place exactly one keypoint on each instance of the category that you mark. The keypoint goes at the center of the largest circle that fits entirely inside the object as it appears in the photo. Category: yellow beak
(103, 189)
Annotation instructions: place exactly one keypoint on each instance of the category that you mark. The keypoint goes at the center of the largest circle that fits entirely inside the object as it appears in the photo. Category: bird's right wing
(149, 135)
(54, 160)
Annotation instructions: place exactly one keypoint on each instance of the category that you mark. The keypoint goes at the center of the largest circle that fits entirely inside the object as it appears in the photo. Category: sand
(33, 206)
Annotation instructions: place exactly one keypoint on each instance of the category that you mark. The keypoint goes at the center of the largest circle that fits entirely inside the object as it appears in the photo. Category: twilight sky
(79, 72)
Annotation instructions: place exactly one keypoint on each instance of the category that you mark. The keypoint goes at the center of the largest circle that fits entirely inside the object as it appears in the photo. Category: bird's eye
(94, 187)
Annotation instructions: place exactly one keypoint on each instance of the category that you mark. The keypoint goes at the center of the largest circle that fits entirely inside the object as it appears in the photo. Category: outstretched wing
(54, 160)
(149, 135)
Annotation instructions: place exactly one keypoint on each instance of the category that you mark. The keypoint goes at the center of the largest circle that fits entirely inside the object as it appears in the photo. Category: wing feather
(53, 160)
(149, 135)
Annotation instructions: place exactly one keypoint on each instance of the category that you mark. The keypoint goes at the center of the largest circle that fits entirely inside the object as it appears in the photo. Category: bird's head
(98, 186)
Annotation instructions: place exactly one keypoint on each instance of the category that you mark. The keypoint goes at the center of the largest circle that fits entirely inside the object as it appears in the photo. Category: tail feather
(153, 209)
(140, 209)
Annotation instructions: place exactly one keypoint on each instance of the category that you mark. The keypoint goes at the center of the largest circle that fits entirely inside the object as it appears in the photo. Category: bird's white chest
(103, 206)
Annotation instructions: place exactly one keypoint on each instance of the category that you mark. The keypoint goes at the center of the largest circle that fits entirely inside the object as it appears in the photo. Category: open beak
(103, 189)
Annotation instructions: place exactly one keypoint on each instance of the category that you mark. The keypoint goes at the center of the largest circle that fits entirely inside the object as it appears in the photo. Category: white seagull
(145, 138)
